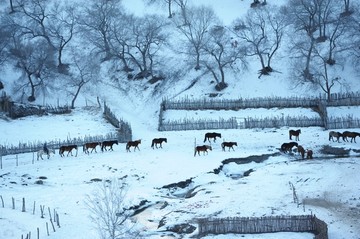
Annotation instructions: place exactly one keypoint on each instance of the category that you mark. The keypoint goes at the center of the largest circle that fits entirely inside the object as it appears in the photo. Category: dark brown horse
(211, 135)
(287, 147)
(309, 154)
(108, 143)
(334, 134)
(157, 141)
(134, 144)
(91, 146)
(229, 145)
(203, 148)
(295, 133)
(69, 149)
(301, 151)
(348, 134)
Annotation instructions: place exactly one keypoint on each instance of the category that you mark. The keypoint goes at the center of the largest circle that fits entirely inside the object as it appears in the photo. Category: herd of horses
(209, 137)
(287, 147)
(344, 135)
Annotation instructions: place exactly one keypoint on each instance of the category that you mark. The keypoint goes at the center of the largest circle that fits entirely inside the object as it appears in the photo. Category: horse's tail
(290, 134)
(194, 151)
(205, 139)
(223, 146)
(152, 144)
(84, 148)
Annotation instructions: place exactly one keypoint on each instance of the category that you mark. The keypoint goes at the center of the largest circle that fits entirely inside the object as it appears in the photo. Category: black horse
(134, 144)
(334, 134)
(91, 146)
(157, 141)
(295, 133)
(211, 135)
(229, 145)
(108, 143)
(203, 148)
(287, 147)
(67, 148)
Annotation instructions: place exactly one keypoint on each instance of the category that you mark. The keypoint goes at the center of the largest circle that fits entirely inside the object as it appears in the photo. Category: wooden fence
(257, 225)
(35, 146)
(343, 99)
(199, 124)
(16, 110)
(319, 104)
(277, 122)
(51, 217)
(123, 128)
(231, 104)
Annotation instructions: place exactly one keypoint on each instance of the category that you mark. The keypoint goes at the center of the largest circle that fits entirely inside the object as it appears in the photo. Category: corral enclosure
(256, 113)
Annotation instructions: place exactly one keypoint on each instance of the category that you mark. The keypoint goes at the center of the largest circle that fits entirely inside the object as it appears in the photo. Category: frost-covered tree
(221, 55)
(261, 31)
(85, 70)
(107, 207)
(147, 38)
(33, 60)
(96, 24)
(194, 23)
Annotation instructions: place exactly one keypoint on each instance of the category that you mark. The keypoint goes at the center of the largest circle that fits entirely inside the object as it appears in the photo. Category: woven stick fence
(257, 225)
(231, 104)
(29, 147)
(124, 128)
(318, 103)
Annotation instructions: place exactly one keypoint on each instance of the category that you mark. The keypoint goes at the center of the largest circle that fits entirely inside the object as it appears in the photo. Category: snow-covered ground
(325, 187)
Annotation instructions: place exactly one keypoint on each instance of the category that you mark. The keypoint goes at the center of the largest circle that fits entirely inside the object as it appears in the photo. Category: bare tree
(36, 14)
(262, 32)
(62, 21)
(168, 4)
(148, 36)
(347, 9)
(96, 24)
(222, 54)
(325, 77)
(302, 16)
(121, 41)
(86, 69)
(34, 61)
(107, 207)
(194, 23)
(12, 9)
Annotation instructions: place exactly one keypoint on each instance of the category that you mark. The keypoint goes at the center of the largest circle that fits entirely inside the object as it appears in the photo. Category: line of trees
(61, 45)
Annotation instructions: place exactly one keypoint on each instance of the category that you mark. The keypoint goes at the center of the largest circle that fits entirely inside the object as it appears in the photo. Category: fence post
(23, 205)
(2, 201)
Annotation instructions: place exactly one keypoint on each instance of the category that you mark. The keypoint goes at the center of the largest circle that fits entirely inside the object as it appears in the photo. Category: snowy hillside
(215, 185)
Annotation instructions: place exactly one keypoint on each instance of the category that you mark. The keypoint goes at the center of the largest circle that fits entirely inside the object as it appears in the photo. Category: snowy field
(325, 186)
(322, 185)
